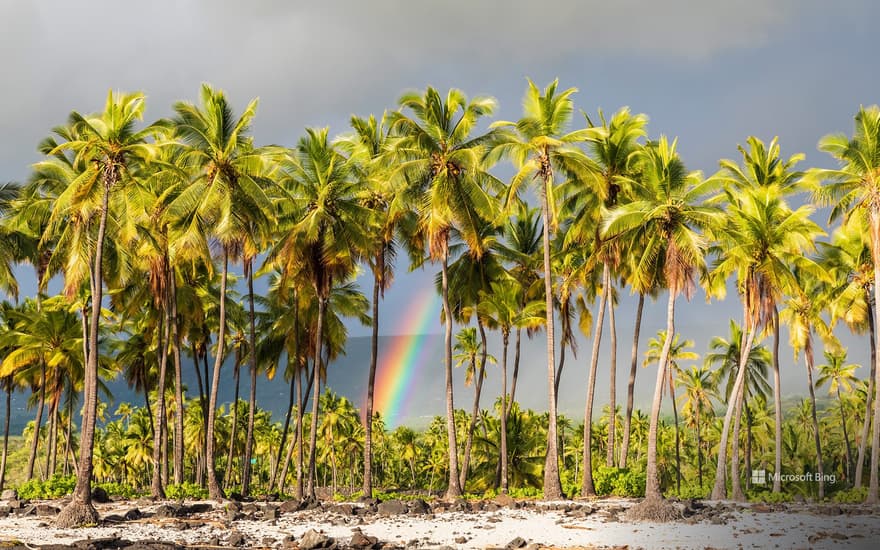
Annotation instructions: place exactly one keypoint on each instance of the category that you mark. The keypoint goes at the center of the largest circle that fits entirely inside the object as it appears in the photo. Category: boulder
(419, 506)
(518, 542)
(289, 506)
(100, 496)
(313, 539)
(9, 494)
(392, 507)
(360, 540)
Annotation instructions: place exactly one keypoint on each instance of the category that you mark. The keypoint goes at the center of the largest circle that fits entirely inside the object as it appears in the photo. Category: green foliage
(769, 497)
(185, 490)
(621, 482)
(850, 496)
(688, 490)
(119, 489)
(54, 487)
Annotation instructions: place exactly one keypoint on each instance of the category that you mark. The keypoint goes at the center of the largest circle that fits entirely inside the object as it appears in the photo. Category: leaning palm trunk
(735, 483)
(777, 405)
(587, 488)
(516, 355)
(612, 399)
(873, 496)
(552, 483)
(808, 356)
(866, 424)
(677, 437)
(252, 397)
(80, 510)
(214, 490)
(319, 335)
(5, 435)
(233, 435)
(284, 434)
(454, 487)
(631, 385)
(719, 490)
(652, 483)
(38, 421)
(478, 388)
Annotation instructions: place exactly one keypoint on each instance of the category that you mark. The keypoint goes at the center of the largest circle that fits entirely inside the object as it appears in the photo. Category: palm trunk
(612, 399)
(652, 482)
(631, 385)
(552, 483)
(777, 405)
(80, 510)
(516, 354)
(719, 490)
(236, 375)
(808, 356)
(845, 438)
(748, 447)
(371, 377)
(252, 397)
(160, 438)
(478, 387)
(866, 424)
(215, 492)
(299, 437)
(52, 432)
(562, 348)
(735, 482)
(505, 337)
(873, 496)
(6, 433)
(203, 403)
(587, 488)
(453, 489)
(38, 421)
(699, 450)
(319, 338)
(284, 432)
(68, 434)
(677, 439)
(178, 382)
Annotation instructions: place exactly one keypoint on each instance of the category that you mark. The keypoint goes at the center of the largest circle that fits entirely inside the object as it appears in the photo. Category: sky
(710, 73)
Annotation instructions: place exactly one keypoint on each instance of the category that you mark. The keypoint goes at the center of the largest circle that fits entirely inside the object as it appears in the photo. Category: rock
(491, 507)
(5, 510)
(46, 510)
(197, 508)
(28, 510)
(461, 540)
(15, 504)
(419, 506)
(232, 514)
(360, 540)
(518, 542)
(133, 514)
(166, 511)
(270, 511)
(9, 494)
(100, 496)
(504, 500)
(344, 509)
(289, 506)
(313, 539)
(249, 508)
(392, 507)
(235, 539)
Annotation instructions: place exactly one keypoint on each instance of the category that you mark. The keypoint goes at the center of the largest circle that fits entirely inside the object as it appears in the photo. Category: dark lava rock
(46, 510)
(100, 496)
(289, 506)
(518, 542)
(368, 501)
(249, 508)
(270, 511)
(360, 540)
(419, 506)
(15, 504)
(9, 494)
(133, 514)
(392, 507)
(313, 539)
(235, 539)
(166, 511)
(5, 510)
(197, 508)
(344, 509)
(461, 540)
(28, 510)
(504, 500)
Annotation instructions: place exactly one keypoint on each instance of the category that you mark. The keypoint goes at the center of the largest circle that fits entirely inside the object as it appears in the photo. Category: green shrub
(119, 489)
(850, 496)
(55, 487)
(185, 490)
(769, 497)
(688, 490)
(621, 482)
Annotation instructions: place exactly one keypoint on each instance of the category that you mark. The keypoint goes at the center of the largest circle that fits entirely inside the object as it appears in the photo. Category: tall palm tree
(223, 200)
(699, 389)
(108, 145)
(540, 148)
(667, 214)
(803, 313)
(322, 235)
(678, 351)
(855, 187)
(756, 188)
(836, 373)
(444, 164)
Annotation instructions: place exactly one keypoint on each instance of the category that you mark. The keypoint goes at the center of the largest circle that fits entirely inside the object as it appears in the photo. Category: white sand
(745, 529)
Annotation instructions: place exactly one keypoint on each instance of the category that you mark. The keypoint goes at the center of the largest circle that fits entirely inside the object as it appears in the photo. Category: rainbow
(399, 365)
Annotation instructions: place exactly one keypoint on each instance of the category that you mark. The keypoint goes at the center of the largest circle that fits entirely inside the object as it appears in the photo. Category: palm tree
(762, 238)
(539, 148)
(699, 388)
(502, 305)
(803, 313)
(837, 374)
(223, 199)
(449, 183)
(677, 352)
(322, 236)
(108, 145)
(855, 187)
(666, 215)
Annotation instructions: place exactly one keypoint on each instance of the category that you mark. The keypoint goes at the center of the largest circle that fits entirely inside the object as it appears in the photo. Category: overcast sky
(709, 72)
